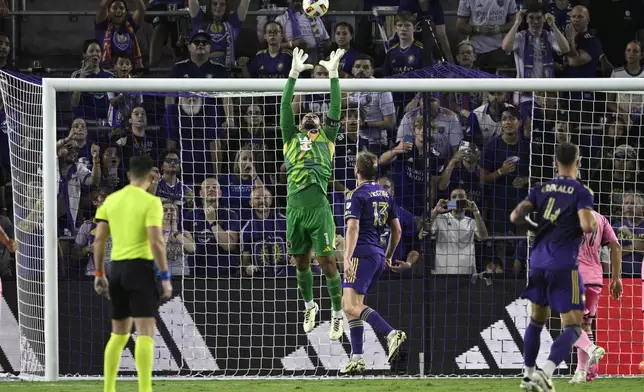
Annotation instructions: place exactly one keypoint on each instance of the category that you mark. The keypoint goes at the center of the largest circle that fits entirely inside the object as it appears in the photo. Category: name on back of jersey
(558, 188)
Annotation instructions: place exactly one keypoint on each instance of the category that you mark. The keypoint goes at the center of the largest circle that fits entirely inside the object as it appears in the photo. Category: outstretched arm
(333, 117)
(287, 117)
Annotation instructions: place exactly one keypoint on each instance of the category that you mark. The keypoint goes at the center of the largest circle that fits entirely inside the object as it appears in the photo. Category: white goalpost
(477, 358)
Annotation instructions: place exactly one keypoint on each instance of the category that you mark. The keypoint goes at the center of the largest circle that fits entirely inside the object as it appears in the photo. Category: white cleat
(354, 367)
(337, 328)
(309, 318)
(579, 377)
(595, 357)
(394, 344)
(542, 381)
(528, 386)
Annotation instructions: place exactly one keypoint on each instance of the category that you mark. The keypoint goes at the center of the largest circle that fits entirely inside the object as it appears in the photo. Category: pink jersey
(589, 265)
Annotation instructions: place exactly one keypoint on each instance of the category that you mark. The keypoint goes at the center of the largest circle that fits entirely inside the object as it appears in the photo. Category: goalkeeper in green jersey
(308, 154)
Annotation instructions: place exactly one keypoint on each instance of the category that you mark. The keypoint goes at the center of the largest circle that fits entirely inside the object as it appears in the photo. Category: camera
(457, 204)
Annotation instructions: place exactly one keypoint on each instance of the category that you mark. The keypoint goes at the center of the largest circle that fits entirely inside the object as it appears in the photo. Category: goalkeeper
(308, 154)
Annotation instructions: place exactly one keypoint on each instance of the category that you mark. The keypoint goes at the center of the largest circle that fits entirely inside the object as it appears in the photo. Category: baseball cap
(199, 33)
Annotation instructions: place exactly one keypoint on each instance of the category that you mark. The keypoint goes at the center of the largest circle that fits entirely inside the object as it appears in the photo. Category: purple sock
(356, 331)
(376, 321)
(531, 342)
(563, 344)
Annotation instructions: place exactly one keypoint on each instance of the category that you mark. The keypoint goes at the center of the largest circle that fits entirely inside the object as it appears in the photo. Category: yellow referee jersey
(128, 213)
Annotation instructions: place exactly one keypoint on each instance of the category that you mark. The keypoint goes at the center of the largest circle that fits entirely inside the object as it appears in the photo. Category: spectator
(630, 232)
(614, 178)
(112, 170)
(164, 28)
(534, 48)
(506, 165)
(628, 105)
(585, 50)
(199, 65)
(192, 126)
(430, 10)
(91, 106)
(485, 121)
(412, 170)
(138, 142)
(221, 26)
(343, 39)
(405, 256)
(121, 104)
(302, 31)
(407, 54)
(347, 146)
(485, 22)
(76, 138)
(5, 49)
(463, 171)
(455, 233)
(273, 62)
(72, 176)
(379, 108)
(614, 133)
(116, 28)
(216, 233)
(262, 20)
(263, 238)
(619, 22)
(179, 243)
(237, 186)
(170, 188)
(82, 253)
(445, 128)
(466, 54)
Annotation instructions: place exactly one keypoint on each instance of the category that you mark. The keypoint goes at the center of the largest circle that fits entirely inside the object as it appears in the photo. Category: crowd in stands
(457, 163)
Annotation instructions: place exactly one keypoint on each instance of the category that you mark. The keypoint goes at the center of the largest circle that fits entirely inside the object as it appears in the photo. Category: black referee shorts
(134, 289)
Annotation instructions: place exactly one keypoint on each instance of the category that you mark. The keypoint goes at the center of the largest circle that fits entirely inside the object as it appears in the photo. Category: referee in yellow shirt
(134, 219)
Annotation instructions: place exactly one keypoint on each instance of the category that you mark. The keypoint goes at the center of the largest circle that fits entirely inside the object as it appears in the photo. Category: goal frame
(52, 86)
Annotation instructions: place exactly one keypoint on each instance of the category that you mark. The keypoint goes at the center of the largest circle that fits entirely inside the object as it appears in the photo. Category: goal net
(236, 310)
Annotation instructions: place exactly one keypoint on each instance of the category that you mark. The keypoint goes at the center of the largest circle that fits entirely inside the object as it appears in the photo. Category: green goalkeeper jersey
(309, 155)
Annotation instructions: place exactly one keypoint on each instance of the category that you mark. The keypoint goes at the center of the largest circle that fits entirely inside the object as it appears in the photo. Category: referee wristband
(164, 275)
(98, 273)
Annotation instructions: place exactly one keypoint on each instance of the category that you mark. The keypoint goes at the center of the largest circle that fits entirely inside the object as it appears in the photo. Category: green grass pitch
(424, 385)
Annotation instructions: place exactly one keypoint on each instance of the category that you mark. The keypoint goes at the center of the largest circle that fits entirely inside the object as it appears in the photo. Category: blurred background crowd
(220, 169)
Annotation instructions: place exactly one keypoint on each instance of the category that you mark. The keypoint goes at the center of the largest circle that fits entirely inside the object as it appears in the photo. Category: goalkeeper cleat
(528, 386)
(579, 377)
(309, 318)
(394, 344)
(542, 382)
(593, 372)
(354, 367)
(337, 328)
(596, 356)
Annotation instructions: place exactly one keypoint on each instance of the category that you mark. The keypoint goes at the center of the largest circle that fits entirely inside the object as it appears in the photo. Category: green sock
(113, 351)
(334, 285)
(305, 284)
(143, 356)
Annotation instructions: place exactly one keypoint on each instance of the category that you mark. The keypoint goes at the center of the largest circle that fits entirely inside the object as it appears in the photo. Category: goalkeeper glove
(299, 57)
(333, 62)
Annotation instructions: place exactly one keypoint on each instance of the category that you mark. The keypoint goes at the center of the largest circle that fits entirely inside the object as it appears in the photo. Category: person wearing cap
(199, 65)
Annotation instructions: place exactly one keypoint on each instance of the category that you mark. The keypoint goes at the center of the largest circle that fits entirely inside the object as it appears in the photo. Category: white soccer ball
(315, 8)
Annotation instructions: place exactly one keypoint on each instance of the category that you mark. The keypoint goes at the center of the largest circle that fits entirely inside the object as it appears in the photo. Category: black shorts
(134, 289)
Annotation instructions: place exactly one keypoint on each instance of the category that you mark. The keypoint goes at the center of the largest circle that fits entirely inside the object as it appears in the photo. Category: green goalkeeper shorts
(309, 228)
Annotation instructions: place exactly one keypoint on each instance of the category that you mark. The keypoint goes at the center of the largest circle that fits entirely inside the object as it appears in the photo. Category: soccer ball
(315, 8)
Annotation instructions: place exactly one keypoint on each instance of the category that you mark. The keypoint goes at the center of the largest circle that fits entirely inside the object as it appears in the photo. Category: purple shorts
(562, 290)
(367, 271)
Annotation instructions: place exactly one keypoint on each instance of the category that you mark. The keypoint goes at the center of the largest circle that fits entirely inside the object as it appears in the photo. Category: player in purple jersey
(369, 209)
(565, 209)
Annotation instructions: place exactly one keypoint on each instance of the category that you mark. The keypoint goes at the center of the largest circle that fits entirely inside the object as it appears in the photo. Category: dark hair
(105, 146)
(88, 42)
(98, 192)
(367, 165)
(211, 18)
(141, 166)
(275, 23)
(513, 111)
(345, 24)
(362, 57)
(122, 55)
(388, 178)
(535, 6)
(165, 153)
(566, 153)
(405, 16)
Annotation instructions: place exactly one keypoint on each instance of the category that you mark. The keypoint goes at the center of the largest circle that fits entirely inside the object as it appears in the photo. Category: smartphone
(464, 145)
(457, 204)
(408, 138)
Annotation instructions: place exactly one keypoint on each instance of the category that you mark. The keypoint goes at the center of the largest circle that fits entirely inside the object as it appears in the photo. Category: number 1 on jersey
(548, 213)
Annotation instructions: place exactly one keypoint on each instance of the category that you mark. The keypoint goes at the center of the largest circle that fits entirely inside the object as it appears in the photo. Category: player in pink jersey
(590, 268)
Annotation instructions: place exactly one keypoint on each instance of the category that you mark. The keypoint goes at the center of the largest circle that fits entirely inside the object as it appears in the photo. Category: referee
(134, 219)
